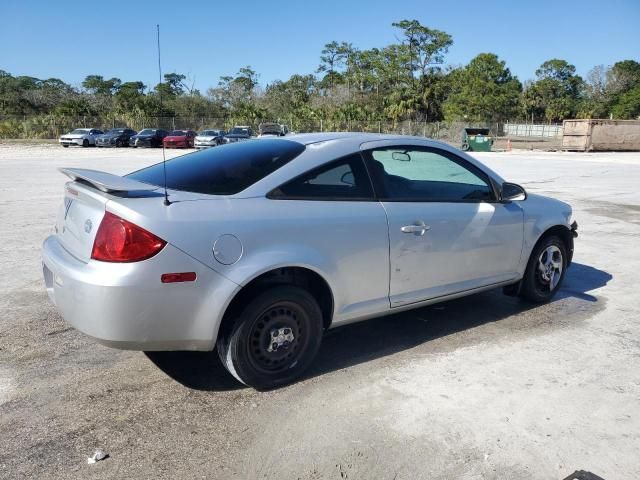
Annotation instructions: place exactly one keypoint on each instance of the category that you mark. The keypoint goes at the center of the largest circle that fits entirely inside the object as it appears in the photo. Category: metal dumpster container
(593, 134)
(476, 140)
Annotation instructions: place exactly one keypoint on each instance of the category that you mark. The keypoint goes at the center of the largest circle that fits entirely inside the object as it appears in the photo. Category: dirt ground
(484, 387)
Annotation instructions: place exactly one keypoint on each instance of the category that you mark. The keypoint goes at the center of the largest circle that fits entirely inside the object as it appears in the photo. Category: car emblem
(88, 226)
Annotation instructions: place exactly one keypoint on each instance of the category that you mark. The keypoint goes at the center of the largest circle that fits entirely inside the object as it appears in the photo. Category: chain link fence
(52, 126)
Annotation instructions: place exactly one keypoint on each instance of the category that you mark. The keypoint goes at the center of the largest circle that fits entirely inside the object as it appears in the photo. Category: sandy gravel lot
(485, 387)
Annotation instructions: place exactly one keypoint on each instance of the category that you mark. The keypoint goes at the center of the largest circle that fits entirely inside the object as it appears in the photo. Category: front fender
(540, 215)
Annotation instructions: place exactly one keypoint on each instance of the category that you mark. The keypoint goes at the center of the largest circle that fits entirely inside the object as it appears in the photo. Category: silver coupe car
(257, 247)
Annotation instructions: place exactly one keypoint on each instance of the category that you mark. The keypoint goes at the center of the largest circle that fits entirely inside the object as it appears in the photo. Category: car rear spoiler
(106, 182)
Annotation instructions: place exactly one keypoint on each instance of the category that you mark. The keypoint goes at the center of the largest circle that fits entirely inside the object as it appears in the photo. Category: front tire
(275, 338)
(85, 143)
(545, 271)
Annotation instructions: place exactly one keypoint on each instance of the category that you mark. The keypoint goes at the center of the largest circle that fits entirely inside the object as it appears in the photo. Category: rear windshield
(178, 133)
(223, 170)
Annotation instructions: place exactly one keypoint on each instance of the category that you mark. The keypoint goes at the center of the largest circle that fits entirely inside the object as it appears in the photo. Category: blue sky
(70, 39)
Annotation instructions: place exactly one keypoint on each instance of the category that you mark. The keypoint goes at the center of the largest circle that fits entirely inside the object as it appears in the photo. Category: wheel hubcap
(277, 337)
(550, 267)
(280, 337)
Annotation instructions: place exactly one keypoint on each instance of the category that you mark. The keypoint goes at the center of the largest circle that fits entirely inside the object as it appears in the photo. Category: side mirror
(512, 192)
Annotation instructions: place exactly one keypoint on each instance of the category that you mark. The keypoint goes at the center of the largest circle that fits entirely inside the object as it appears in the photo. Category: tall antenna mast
(164, 158)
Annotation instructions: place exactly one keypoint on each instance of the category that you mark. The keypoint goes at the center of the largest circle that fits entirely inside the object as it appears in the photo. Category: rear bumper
(71, 141)
(127, 306)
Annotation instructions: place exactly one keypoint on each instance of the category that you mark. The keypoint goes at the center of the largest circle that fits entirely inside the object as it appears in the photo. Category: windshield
(209, 133)
(224, 170)
(80, 131)
(116, 131)
(147, 131)
(239, 131)
(178, 133)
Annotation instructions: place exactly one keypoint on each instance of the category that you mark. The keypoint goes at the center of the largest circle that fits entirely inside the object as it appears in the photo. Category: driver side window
(423, 174)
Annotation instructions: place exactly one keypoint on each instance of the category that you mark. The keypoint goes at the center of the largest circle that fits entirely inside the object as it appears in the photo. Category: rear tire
(545, 271)
(274, 339)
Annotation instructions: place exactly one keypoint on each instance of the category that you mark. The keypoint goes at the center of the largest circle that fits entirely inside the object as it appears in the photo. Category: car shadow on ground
(379, 337)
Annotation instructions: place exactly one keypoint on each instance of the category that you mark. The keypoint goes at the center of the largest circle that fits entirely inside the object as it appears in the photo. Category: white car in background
(209, 138)
(83, 137)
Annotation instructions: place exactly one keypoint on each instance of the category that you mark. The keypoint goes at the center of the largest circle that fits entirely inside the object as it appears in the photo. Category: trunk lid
(84, 205)
(78, 220)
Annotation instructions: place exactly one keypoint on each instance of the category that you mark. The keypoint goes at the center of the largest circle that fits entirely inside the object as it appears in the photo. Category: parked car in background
(116, 137)
(270, 130)
(83, 137)
(149, 137)
(180, 139)
(265, 244)
(209, 138)
(238, 134)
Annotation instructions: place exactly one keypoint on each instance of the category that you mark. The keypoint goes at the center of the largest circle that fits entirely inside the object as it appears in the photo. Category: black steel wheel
(274, 339)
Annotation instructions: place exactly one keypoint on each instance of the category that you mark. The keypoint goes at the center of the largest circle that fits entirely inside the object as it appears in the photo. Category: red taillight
(118, 240)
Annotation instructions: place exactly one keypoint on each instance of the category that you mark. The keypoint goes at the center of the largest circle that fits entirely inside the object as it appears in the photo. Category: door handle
(418, 228)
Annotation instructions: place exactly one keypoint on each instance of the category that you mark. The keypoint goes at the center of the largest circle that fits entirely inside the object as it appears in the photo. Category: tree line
(404, 80)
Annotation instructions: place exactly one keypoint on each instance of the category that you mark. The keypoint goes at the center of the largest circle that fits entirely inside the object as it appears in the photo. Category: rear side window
(223, 170)
(344, 179)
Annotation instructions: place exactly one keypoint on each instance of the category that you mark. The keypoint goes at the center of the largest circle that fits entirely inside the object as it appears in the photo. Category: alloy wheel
(549, 269)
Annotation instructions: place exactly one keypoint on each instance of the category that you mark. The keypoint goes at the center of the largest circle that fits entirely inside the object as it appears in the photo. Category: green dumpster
(476, 140)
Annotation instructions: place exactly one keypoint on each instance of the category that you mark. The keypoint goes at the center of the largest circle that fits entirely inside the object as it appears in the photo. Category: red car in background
(180, 139)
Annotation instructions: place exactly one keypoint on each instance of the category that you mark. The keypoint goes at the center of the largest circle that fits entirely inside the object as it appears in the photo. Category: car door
(447, 231)
(93, 134)
(337, 220)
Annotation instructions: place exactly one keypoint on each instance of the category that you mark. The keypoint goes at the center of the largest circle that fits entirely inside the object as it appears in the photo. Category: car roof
(322, 148)
(309, 138)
